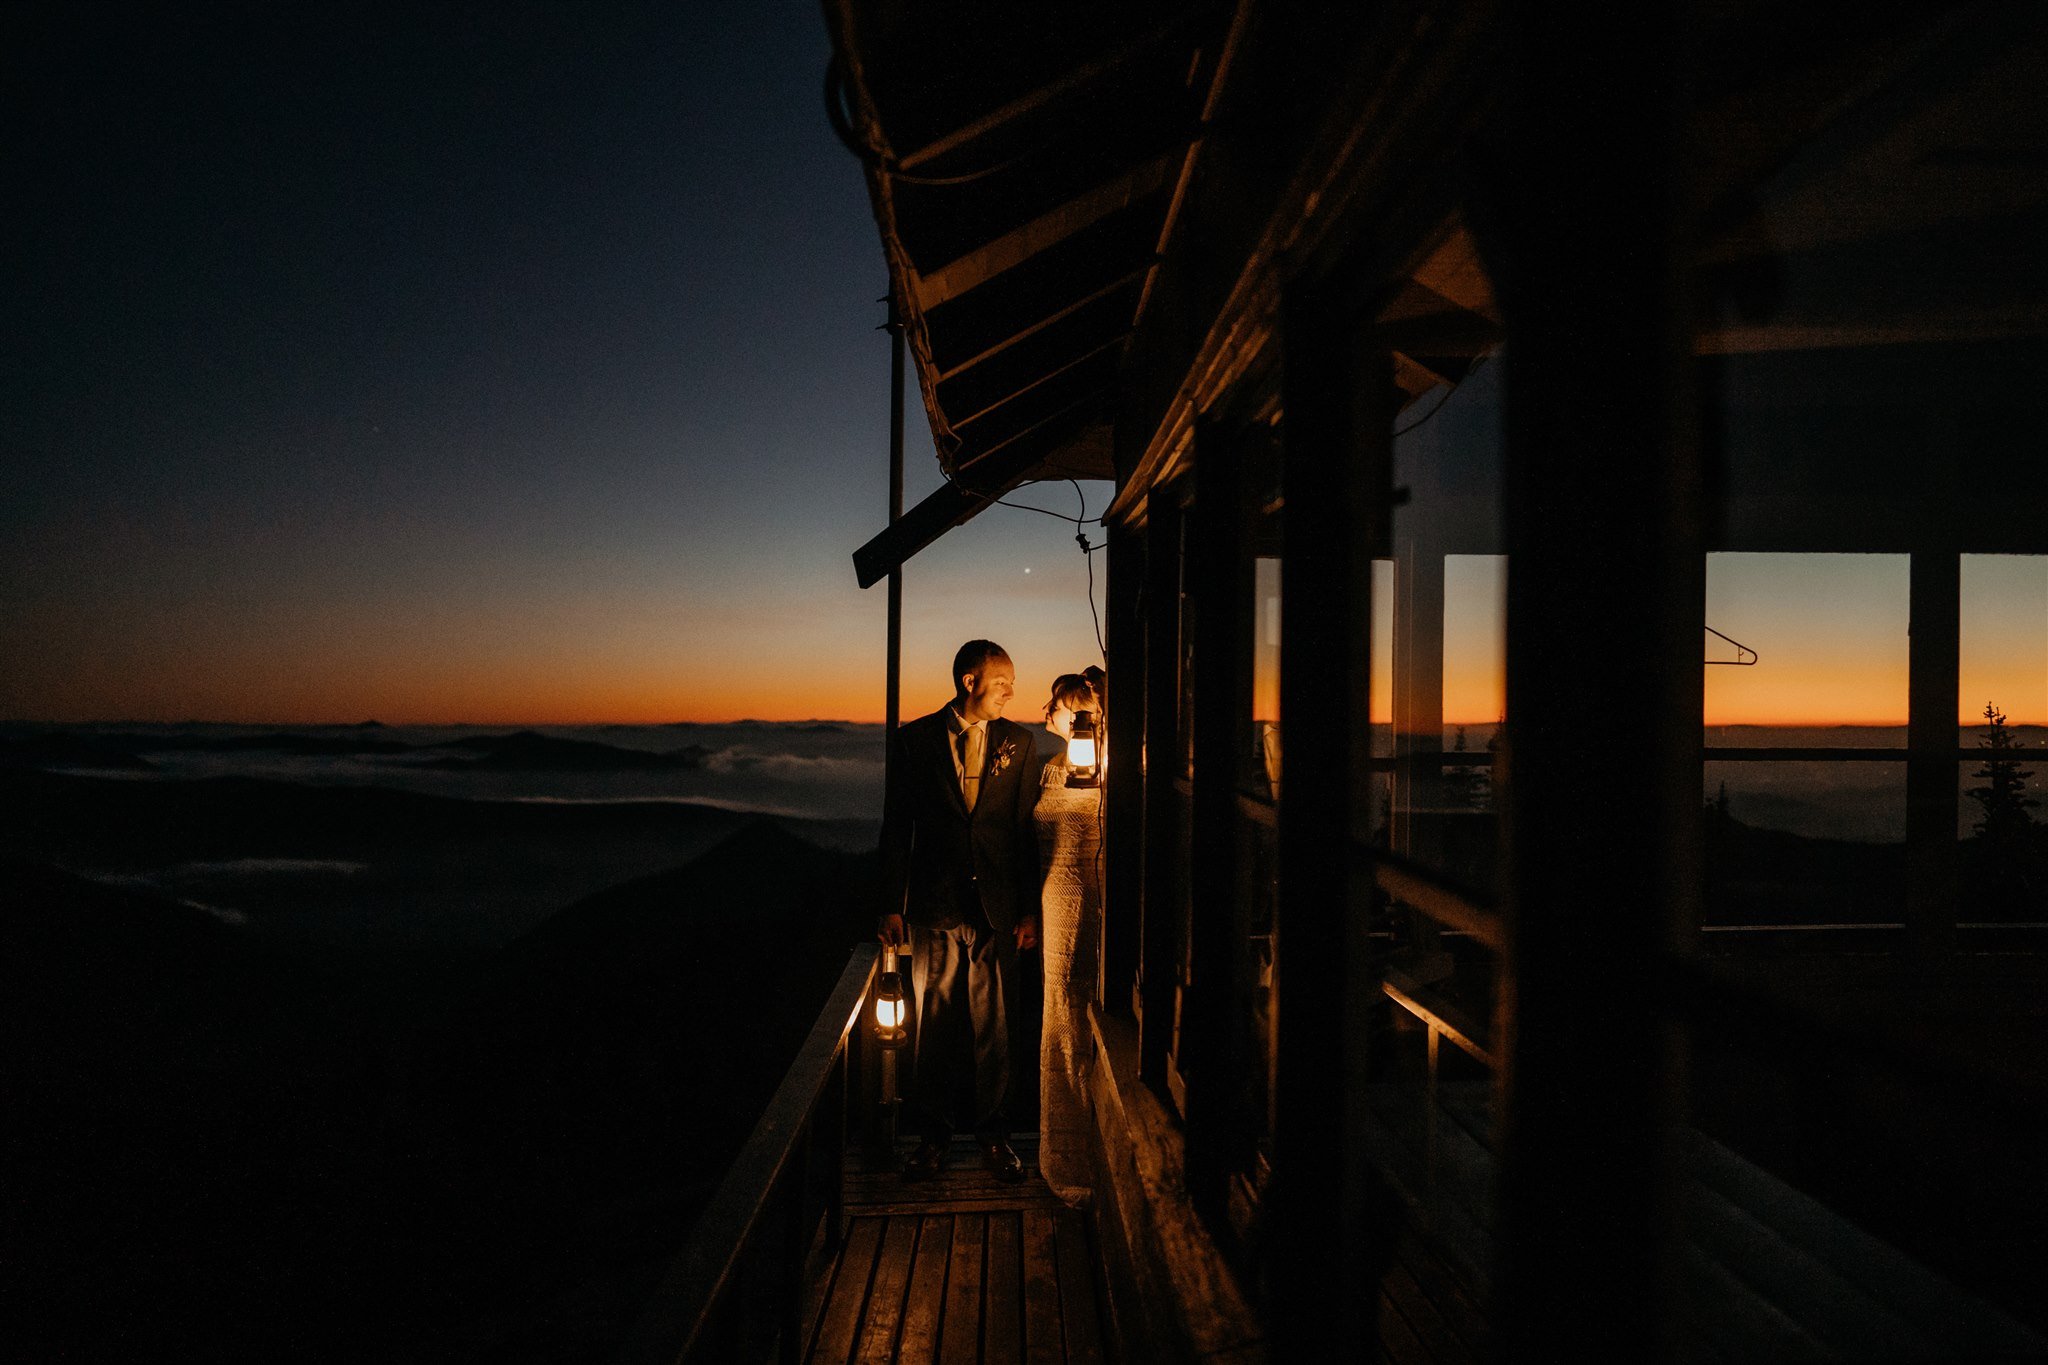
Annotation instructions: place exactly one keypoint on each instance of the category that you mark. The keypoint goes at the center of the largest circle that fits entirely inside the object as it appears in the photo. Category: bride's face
(1061, 722)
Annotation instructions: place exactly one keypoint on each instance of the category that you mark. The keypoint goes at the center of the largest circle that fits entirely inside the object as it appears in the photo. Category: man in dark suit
(960, 881)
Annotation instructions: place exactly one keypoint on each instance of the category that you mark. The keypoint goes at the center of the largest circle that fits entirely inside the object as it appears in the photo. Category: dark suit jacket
(941, 866)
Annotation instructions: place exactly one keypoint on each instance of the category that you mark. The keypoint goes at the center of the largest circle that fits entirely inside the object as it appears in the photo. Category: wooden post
(1124, 835)
(1934, 659)
(1159, 929)
(1317, 1205)
(1603, 529)
(1418, 697)
(1220, 588)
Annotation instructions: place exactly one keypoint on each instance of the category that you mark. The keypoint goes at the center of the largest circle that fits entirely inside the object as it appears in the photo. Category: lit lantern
(1081, 769)
(890, 1010)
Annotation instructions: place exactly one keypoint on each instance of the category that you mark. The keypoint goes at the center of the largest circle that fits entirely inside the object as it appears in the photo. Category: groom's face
(988, 692)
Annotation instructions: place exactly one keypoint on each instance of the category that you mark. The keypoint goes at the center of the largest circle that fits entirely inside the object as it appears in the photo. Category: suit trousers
(965, 986)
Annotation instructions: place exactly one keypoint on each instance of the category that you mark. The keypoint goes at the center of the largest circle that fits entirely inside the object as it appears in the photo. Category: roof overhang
(1025, 165)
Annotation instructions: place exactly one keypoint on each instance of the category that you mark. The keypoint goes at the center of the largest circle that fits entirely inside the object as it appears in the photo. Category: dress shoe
(1001, 1162)
(924, 1163)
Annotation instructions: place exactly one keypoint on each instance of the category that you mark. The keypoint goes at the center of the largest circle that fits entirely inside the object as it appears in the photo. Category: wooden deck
(957, 1270)
(1766, 1273)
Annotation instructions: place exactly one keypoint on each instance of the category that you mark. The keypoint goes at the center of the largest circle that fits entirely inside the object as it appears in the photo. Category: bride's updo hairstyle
(1073, 690)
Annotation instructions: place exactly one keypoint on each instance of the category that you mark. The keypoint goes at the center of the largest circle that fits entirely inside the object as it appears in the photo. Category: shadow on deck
(959, 1268)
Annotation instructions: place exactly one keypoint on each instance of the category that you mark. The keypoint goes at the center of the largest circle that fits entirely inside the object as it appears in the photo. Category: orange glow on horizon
(1830, 629)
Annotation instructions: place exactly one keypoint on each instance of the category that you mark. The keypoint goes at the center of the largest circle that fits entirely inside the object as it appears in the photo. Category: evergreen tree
(2006, 864)
(2006, 823)
(1464, 783)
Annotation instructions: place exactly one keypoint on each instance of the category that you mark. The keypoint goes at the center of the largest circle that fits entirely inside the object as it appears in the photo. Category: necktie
(970, 763)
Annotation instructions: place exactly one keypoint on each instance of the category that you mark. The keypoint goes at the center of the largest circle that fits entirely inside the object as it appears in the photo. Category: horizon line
(444, 724)
(1976, 722)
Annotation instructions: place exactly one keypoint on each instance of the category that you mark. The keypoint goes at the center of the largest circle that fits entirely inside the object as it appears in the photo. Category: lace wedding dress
(1069, 936)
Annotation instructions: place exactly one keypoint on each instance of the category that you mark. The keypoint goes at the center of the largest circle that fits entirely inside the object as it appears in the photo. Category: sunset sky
(491, 365)
(1829, 632)
(487, 364)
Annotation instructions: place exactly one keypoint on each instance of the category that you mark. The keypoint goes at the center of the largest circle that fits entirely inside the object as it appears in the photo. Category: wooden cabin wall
(1607, 452)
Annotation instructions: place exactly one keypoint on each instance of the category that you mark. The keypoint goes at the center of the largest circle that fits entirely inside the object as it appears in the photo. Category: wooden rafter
(961, 423)
(1020, 244)
(1185, 176)
(1050, 93)
(1058, 315)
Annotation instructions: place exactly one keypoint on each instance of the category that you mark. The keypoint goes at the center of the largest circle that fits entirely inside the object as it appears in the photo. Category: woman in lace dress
(1069, 933)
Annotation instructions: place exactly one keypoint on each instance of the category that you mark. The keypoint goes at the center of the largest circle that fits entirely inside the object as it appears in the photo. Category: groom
(960, 885)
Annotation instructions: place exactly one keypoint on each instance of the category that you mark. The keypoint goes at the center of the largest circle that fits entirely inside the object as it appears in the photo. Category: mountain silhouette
(184, 1114)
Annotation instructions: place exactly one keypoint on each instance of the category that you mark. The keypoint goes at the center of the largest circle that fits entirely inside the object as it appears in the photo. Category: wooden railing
(736, 1290)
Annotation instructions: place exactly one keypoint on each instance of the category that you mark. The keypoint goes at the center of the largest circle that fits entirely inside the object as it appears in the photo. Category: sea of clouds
(821, 770)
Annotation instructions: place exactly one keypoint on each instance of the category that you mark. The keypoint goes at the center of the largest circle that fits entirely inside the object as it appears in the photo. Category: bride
(1069, 933)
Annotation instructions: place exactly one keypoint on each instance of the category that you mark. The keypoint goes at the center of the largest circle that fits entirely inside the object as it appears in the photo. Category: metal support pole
(878, 1084)
(893, 706)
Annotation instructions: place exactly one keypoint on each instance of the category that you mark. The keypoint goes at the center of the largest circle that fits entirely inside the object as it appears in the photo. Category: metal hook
(1740, 649)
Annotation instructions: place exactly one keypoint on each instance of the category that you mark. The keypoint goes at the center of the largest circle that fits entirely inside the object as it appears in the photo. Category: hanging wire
(1438, 406)
(1088, 554)
(1042, 511)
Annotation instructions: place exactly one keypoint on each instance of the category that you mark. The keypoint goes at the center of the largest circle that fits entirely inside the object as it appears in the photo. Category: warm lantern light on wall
(890, 1009)
(1081, 767)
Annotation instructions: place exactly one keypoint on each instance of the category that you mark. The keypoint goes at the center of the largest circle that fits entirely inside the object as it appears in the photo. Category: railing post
(1159, 938)
(1124, 777)
(1221, 594)
(1435, 1038)
(796, 1255)
(1933, 661)
(1603, 522)
(738, 1281)
(1336, 424)
(844, 1087)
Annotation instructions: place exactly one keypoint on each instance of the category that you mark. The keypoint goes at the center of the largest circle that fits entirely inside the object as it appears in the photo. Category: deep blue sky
(490, 363)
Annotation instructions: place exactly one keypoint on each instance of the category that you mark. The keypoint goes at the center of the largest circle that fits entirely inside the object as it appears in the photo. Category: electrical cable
(1042, 511)
(1438, 406)
(1088, 554)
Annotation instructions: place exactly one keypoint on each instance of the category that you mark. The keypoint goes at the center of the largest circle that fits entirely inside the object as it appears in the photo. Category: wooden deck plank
(1459, 1209)
(924, 1305)
(1002, 1337)
(960, 1331)
(1044, 1341)
(1423, 1317)
(959, 1268)
(883, 1318)
(824, 1263)
(848, 1296)
(939, 1207)
(1733, 1317)
(1080, 1317)
(1448, 1294)
(1843, 1314)
(942, 1189)
(1398, 1343)
(1937, 1310)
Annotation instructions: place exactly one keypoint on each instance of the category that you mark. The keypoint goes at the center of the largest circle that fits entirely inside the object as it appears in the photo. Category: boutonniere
(1002, 758)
